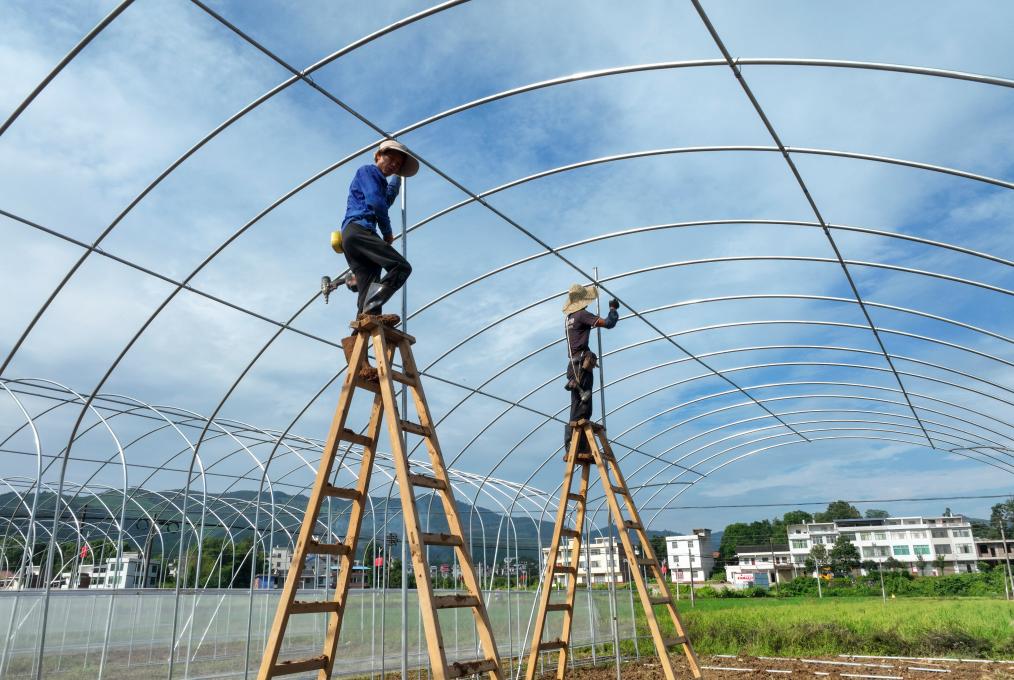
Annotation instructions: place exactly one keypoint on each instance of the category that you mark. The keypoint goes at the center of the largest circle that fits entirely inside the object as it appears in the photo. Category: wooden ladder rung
(404, 379)
(460, 669)
(659, 600)
(631, 524)
(453, 601)
(570, 533)
(442, 539)
(670, 642)
(414, 428)
(575, 497)
(645, 562)
(313, 607)
(336, 549)
(558, 607)
(551, 645)
(341, 492)
(368, 323)
(618, 489)
(428, 482)
(368, 385)
(564, 569)
(584, 458)
(356, 438)
(317, 663)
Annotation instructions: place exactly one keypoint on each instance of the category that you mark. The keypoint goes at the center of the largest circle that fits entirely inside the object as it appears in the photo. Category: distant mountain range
(155, 519)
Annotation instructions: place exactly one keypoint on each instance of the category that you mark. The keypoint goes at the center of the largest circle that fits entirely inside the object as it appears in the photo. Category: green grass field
(965, 627)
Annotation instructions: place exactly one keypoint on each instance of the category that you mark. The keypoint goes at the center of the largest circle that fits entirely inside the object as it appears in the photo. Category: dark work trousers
(367, 254)
(579, 409)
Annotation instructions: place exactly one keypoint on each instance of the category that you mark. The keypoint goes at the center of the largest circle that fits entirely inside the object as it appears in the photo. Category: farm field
(960, 627)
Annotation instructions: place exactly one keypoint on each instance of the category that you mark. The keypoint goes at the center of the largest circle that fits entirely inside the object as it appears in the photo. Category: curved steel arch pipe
(98, 28)
(768, 448)
(303, 75)
(857, 397)
(653, 340)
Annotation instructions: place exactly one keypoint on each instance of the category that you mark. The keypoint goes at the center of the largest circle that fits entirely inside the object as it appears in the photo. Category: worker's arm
(393, 186)
(612, 317)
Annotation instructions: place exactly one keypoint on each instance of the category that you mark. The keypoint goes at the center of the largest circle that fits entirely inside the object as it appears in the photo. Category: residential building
(314, 574)
(760, 565)
(690, 557)
(914, 541)
(606, 566)
(130, 570)
(994, 550)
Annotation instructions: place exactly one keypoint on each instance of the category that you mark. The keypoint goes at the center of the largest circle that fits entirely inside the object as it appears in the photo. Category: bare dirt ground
(816, 668)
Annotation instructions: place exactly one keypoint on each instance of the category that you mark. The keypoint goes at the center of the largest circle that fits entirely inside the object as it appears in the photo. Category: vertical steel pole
(588, 585)
(404, 438)
(613, 573)
(613, 606)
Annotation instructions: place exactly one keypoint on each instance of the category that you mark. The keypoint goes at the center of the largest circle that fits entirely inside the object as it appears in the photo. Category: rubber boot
(376, 296)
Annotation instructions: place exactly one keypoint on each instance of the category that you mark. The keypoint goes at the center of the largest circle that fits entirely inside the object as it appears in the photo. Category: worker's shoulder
(370, 169)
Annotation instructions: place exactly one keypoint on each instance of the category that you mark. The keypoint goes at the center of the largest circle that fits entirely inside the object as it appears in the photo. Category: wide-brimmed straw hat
(579, 297)
(410, 165)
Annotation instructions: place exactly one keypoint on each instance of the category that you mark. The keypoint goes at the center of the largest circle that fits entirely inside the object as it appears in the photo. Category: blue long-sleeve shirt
(370, 195)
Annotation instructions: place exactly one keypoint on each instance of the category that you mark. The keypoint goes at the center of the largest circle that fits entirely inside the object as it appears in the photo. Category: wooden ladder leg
(554, 550)
(413, 530)
(356, 514)
(575, 563)
(426, 428)
(305, 544)
(606, 462)
(654, 566)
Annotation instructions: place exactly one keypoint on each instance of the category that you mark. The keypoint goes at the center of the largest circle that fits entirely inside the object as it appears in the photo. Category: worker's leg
(357, 246)
(568, 431)
(368, 247)
(583, 407)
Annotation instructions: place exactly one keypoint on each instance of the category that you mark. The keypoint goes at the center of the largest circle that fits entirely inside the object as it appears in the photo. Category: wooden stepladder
(615, 487)
(386, 341)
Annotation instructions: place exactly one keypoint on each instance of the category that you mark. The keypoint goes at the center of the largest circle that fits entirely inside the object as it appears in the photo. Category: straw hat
(410, 165)
(579, 297)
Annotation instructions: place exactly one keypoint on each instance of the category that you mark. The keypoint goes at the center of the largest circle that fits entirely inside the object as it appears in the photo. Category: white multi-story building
(774, 562)
(906, 539)
(604, 568)
(689, 558)
(130, 570)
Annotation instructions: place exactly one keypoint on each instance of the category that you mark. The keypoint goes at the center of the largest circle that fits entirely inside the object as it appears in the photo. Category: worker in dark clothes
(581, 360)
(367, 252)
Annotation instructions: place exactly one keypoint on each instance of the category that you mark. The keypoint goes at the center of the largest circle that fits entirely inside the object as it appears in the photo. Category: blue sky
(165, 74)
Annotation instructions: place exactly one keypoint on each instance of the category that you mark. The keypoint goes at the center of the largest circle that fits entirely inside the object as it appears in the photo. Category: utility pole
(690, 558)
(1006, 552)
(880, 571)
(771, 546)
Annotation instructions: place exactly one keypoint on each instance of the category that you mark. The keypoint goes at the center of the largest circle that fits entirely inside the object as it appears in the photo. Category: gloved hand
(614, 304)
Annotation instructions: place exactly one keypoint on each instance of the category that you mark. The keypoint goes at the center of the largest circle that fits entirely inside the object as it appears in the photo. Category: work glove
(614, 304)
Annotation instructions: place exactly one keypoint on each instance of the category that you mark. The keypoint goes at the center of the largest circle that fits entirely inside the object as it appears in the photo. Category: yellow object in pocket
(336, 241)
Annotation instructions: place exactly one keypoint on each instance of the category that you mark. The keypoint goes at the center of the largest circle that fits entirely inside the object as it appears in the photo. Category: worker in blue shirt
(370, 196)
